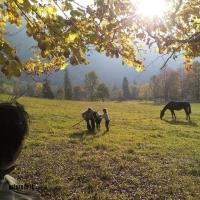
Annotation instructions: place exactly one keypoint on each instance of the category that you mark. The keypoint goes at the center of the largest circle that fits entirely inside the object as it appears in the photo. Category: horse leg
(188, 116)
(174, 115)
(187, 113)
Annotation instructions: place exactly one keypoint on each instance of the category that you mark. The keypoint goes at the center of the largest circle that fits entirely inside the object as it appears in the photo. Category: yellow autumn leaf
(63, 66)
(20, 1)
(104, 23)
(139, 68)
(128, 62)
(72, 37)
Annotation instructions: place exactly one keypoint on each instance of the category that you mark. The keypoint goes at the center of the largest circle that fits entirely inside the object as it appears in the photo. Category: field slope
(141, 157)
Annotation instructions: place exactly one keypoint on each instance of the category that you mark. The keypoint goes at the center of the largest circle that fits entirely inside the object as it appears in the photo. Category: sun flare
(151, 8)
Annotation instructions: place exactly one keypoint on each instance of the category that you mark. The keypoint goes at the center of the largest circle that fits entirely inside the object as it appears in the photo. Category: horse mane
(167, 105)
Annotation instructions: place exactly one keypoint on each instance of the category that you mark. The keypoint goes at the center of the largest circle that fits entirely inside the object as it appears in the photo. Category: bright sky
(153, 8)
(146, 8)
(85, 2)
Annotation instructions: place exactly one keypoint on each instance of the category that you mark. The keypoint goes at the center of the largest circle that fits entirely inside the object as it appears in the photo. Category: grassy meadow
(141, 157)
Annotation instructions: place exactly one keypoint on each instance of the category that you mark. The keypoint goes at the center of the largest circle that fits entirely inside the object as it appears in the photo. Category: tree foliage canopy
(91, 84)
(65, 31)
(67, 86)
(125, 88)
(102, 91)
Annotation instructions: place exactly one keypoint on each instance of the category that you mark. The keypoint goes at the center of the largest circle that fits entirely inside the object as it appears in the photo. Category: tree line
(168, 85)
(93, 89)
(176, 84)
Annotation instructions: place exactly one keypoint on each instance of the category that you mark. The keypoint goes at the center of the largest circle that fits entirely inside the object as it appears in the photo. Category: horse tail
(189, 108)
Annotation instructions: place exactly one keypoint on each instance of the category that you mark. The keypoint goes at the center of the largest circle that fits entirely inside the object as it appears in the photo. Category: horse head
(161, 114)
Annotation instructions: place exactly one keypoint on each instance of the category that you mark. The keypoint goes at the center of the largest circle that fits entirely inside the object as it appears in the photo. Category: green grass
(141, 157)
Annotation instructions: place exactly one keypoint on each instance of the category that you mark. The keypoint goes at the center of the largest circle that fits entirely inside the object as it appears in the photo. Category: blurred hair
(14, 123)
(104, 110)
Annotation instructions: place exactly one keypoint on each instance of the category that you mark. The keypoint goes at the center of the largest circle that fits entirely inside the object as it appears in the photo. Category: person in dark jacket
(88, 115)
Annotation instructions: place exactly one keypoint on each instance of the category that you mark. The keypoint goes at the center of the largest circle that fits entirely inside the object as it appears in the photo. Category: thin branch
(115, 30)
(165, 63)
(17, 96)
(81, 6)
(174, 51)
(38, 17)
(65, 14)
(193, 38)
(154, 60)
(178, 7)
(23, 13)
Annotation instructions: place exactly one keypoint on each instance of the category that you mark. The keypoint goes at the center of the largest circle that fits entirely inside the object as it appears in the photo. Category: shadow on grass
(82, 135)
(78, 135)
(188, 123)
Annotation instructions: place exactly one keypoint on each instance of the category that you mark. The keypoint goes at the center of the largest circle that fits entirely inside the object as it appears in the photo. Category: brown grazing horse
(177, 106)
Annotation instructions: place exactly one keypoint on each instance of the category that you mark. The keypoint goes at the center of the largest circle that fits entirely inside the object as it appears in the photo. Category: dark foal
(172, 106)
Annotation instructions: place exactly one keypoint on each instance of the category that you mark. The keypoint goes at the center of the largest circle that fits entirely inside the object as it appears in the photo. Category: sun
(151, 8)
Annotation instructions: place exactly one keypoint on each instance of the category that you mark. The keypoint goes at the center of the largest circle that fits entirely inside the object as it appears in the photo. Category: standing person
(88, 115)
(13, 130)
(107, 119)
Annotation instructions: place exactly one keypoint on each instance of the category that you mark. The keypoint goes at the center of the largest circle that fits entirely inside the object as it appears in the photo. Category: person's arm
(107, 116)
(84, 114)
